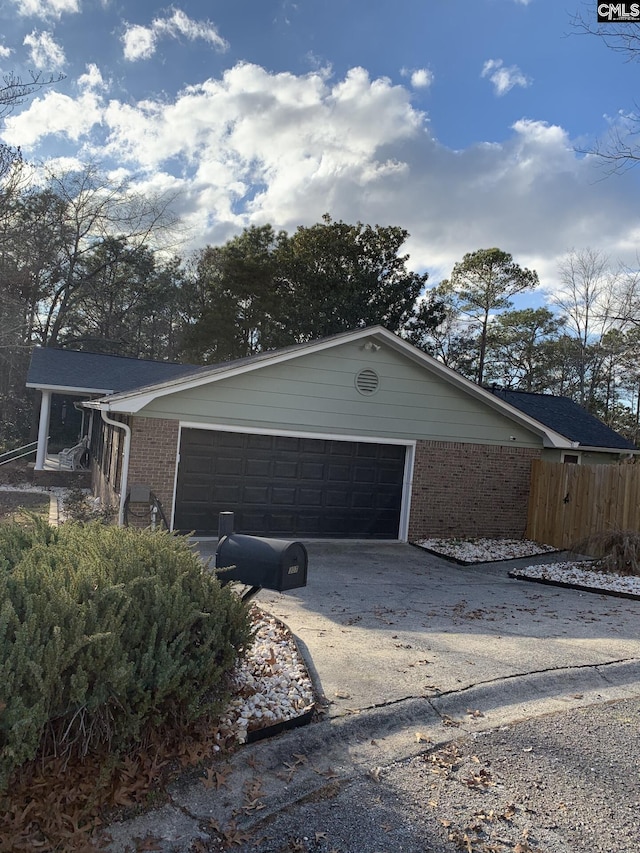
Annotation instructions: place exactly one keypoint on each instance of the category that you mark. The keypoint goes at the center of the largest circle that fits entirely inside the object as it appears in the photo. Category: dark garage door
(278, 485)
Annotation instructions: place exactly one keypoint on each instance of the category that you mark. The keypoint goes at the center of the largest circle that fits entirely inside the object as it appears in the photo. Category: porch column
(43, 430)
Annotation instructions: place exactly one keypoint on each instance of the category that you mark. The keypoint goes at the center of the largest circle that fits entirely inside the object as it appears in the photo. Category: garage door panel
(337, 499)
(390, 477)
(257, 467)
(198, 493)
(283, 496)
(283, 485)
(229, 440)
(363, 499)
(312, 471)
(364, 475)
(255, 495)
(309, 497)
(229, 465)
(287, 469)
(284, 443)
(198, 464)
(226, 493)
(339, 473)
(259, 442)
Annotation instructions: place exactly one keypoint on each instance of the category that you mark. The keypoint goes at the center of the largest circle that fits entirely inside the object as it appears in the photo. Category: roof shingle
(566, 417)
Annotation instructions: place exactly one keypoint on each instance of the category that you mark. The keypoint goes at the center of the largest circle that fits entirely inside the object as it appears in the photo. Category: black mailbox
(270, 563)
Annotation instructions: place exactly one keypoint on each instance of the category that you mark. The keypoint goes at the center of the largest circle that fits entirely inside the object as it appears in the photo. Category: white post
(43, 430)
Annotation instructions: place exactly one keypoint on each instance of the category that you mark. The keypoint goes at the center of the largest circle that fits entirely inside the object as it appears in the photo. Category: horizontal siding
(317, 393)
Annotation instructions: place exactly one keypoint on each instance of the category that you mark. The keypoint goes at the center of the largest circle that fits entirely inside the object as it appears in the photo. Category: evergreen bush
(103, 631)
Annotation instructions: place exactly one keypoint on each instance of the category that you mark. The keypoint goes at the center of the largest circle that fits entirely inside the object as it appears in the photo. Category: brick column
(154, 448)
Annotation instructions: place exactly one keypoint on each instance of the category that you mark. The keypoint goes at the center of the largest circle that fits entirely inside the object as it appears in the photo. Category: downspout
(124, 477)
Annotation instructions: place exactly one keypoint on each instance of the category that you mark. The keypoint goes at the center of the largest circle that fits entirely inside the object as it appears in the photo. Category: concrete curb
(320, 759)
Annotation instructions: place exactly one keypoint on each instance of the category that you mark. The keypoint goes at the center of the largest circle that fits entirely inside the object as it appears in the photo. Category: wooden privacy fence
(568, 503)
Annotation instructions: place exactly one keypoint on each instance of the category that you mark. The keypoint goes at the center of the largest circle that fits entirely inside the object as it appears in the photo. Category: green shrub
(104, 631)
(15, 539)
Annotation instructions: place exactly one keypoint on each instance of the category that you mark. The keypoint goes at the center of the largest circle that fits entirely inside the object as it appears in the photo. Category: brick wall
(154, 444)
(470, 490)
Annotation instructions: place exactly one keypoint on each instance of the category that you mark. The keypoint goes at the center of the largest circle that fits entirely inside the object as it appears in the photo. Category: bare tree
(92, 209)
(587, 300)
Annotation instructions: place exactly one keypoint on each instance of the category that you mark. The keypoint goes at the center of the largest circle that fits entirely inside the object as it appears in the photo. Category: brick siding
(470, 490)
(154, 444)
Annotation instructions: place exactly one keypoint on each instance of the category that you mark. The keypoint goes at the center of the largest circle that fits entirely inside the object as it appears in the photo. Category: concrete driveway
(384, 622)
(435, 678)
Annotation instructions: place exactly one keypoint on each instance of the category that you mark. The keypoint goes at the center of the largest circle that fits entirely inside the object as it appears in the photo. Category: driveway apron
(382, 622)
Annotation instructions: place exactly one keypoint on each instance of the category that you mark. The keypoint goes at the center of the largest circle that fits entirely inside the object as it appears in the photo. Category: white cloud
(253, 147)
(92, 79)
(45, 53)
(141, 42)
(421, 78)
(180, 24)
(503, 78)
(46, 8)
(5, 52)
(53, 114)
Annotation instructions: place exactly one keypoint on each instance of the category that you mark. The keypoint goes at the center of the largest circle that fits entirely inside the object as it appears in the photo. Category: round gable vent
(367, 381)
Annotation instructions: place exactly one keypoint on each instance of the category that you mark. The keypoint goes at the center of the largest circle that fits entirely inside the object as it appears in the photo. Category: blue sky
(460, 122)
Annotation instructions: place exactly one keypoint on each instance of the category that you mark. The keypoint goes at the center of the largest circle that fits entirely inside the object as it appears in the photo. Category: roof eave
(68, 389)
(621, 451)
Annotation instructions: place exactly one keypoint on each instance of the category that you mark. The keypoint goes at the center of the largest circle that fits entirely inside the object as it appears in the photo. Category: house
(359, 435)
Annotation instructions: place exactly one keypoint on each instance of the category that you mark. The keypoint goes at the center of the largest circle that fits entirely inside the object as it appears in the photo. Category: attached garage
(359, 435)
(286, 485)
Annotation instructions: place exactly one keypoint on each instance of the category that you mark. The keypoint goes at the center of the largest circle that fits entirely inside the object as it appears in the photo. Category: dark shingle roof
(566, 417)
(98, 373)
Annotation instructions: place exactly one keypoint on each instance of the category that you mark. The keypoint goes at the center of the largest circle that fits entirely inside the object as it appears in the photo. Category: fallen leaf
(422, 738)
(208, 781)
(375, 773)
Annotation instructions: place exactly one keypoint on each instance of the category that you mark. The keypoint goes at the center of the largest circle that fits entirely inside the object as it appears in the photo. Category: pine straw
(55, 805)
(618, 551)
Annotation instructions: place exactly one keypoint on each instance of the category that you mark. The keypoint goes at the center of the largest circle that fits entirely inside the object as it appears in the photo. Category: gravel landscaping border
(573, 576)
(487, 550)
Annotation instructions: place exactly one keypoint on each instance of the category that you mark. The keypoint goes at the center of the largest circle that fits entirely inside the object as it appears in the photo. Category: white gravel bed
(578, 573)
(271, 684)
(484, 550)
(582, 575)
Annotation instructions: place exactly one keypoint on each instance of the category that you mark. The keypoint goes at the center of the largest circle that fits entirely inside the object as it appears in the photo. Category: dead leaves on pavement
(489, 830)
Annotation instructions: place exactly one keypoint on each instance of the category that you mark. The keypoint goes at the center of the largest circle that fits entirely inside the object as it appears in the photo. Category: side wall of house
(464, 489)
(154, 447)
